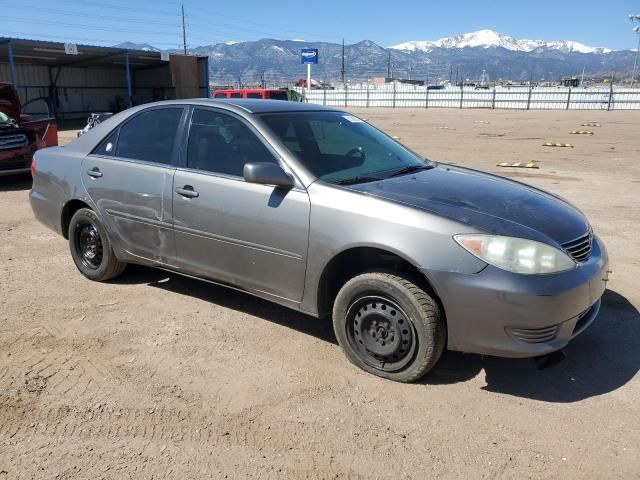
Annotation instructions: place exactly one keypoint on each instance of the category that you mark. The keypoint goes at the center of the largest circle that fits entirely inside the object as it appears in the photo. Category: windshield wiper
(354, 180)
(410, 169)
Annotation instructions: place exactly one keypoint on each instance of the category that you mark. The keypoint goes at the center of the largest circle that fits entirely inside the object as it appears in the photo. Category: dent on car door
(249, 235)
(129, 177)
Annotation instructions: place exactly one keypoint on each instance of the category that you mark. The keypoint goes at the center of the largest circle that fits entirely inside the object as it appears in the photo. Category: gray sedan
(316, 210)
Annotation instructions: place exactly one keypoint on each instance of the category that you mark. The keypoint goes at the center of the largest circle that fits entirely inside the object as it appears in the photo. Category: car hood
(493, 204)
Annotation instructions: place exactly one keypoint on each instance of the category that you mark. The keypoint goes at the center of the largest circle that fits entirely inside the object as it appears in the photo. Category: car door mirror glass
(267, 174)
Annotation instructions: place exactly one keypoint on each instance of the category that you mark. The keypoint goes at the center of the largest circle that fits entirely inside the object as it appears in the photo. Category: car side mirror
(267, 174)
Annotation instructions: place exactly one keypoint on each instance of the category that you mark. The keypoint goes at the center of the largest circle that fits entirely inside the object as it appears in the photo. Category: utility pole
(635, 62)
(184, 33)
(389, 66)
(342, 70)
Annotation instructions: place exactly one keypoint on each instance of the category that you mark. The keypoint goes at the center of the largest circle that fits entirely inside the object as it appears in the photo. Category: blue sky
(106, 22)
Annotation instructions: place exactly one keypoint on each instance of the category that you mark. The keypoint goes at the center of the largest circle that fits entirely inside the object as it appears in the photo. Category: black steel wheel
(379, 330)
(89, 244)
(90, 247)
(389, 326)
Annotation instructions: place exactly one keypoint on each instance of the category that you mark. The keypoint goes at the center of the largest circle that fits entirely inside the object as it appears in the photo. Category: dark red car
(21, 134)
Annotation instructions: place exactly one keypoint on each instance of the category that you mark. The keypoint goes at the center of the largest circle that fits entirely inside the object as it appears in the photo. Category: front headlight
(516, 255)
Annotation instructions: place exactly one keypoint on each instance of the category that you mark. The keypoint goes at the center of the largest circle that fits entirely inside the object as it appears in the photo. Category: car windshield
(340, 148)
(278, 95)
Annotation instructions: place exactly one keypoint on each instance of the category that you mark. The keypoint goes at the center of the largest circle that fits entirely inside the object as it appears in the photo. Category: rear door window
(150, 136)
(236, 95)
(254, 95)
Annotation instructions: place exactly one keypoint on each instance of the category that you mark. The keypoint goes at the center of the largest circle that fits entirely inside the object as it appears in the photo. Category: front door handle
(94, 172)
(187, 191)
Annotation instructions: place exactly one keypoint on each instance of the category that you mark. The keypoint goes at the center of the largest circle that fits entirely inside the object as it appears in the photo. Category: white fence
(500, 97)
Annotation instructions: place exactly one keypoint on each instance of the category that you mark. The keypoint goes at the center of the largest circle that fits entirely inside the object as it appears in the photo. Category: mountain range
(472, 55)
(490, 38)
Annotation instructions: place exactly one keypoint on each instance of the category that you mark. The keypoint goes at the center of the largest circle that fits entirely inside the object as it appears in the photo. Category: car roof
(250, 105)
(88, 141)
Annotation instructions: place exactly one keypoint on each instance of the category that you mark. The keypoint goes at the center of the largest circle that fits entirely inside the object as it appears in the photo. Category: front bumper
(15, 164)
(495, 312)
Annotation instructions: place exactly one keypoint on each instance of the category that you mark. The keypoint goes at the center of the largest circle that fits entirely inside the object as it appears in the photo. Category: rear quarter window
(107, 148)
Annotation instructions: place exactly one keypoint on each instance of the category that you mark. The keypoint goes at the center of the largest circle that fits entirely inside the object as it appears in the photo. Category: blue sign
(309, 55)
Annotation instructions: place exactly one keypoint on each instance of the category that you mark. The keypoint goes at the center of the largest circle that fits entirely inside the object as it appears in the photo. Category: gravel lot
(155, 375)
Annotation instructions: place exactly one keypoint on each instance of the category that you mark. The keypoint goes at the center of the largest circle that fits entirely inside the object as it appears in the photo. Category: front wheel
(91, 249)
(388, 326)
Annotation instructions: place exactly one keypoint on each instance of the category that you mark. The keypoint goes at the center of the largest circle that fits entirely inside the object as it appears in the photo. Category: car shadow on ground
(604, 358)
(229, 298)
(15, 183)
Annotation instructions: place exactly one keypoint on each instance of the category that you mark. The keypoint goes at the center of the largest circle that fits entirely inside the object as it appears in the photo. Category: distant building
(383, 80)
(570, 82)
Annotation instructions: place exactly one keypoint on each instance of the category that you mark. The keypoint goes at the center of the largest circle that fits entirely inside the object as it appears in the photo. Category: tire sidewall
(82, 216)
(359, 287)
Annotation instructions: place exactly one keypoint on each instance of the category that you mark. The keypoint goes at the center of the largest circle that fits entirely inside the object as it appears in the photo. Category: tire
(389, 326)
(91, 248)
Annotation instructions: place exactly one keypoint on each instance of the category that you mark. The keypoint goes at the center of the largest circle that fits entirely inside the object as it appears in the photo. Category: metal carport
(97, 79)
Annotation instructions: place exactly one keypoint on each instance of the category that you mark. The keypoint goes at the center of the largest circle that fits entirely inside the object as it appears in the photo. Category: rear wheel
(388, 326)
(90, 247)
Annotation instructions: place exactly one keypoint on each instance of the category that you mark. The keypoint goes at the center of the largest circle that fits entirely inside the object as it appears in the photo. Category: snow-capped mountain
(137, 46)
(490, 38)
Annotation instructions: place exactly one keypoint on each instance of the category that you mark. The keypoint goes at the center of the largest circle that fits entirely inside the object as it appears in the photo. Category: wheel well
(70, 208)
(355, 261)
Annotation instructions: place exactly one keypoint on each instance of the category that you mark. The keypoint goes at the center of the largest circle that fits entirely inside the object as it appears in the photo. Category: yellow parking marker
(518, 165)
(581, 132)
(591, 124)
(549, 144)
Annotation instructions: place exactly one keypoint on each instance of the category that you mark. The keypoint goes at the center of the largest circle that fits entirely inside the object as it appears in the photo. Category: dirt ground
(158, 376)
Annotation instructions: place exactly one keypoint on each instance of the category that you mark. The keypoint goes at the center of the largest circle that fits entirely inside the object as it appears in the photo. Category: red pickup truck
(22, 134)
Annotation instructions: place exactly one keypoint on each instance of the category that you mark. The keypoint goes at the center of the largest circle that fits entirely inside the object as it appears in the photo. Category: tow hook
(549, 360)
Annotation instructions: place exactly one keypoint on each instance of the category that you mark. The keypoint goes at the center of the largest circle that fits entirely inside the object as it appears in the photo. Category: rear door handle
(94, 172)
(187, 191)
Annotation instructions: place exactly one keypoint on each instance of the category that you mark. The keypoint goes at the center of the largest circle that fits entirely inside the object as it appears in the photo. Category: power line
(47, 36)
(93, 27)
(69, 13)
(120, 8)
(243, 21)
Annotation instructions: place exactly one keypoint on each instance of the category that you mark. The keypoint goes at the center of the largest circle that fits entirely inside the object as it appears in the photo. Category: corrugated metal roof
(39, 52)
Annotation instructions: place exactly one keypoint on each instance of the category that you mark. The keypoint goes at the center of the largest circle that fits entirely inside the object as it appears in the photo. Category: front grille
(580, 248)
(535, 335)
(14, 141)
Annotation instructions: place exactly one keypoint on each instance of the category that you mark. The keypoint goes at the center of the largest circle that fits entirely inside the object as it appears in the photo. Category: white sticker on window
(109, 147)
(352, 119)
